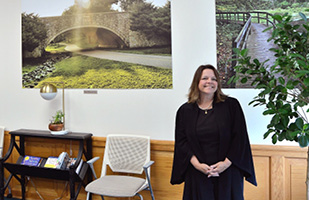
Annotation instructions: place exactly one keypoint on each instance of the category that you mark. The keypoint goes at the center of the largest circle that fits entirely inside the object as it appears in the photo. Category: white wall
(150, 112)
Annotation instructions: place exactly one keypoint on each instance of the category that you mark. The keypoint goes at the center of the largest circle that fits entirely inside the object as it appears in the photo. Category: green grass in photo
(88, 72)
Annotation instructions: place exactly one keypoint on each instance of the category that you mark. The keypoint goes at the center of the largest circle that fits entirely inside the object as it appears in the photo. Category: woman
(212, 151)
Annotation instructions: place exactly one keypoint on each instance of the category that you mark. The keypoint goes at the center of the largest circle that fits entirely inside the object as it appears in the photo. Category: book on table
(51, 162)
(63, 160)
(31, 161)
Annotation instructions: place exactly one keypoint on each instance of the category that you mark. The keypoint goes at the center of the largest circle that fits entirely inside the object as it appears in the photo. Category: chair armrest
(147, 173)
(90, 163)
(92, 160)
(147, 165)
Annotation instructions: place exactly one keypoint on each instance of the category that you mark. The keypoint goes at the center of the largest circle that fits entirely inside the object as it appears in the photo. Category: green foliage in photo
(33, 32)
(55, 48)
(151, 20)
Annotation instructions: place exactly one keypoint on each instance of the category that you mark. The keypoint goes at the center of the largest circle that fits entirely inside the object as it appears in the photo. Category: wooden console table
(19, 171)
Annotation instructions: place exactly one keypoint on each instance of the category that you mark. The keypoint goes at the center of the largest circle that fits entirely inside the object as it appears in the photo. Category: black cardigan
(234, 141)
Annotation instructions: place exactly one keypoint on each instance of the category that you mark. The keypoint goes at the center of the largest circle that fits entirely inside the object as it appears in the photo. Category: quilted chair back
(126, 153)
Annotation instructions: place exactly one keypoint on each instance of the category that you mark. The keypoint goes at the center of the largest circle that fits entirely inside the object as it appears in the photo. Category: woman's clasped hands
(210, 171)
(213, 170)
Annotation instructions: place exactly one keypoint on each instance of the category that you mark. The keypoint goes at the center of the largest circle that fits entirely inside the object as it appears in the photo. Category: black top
(208, 135)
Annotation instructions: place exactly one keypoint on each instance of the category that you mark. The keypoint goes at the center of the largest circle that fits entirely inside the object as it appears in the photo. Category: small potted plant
(56, 124)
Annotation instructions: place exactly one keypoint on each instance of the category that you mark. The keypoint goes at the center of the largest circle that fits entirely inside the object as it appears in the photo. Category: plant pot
(55, 127)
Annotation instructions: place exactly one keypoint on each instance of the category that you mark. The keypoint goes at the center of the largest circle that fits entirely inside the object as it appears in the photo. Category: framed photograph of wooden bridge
(94, 44)
(240, 24)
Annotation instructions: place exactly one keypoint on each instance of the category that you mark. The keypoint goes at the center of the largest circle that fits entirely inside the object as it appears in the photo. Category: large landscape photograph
(241, 24)
(95, 44)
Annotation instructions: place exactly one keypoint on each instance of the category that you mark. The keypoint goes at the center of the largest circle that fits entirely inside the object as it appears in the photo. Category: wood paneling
(280, 171)
(263, 180)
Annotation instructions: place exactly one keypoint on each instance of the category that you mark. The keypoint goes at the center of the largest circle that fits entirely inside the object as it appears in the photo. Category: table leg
(23, 188)
(72, 186)
(89, 156)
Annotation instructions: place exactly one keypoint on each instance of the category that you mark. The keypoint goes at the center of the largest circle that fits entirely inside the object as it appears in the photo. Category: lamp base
(63, 132)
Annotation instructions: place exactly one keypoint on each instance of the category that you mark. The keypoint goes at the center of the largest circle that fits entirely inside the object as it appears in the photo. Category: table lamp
(48, 92)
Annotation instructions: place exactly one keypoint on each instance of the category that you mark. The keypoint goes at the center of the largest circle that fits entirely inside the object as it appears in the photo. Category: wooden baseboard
(280, 171)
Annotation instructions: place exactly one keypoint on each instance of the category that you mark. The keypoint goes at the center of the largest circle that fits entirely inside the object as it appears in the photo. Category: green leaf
(274, 139)
(257, 62)
(244, 80)
(282, 136)
(279, 104)
(281, 80)
(244, 52)
(294, 55)
(280, 126)
(290, 84)
(301, 63)
(306, 127)
(272, 83)
(285, 120)
(277, 17)
(231, 80)
(295, 133)
(306, 81)
(268, 132)
(291, 135)
(283, 111)
(303, 72)
(295, 83)
(305, 93)
(261, 102)
(259, 86)
(289, 17)
(269, 112)
(267, 29)
(236, 50)
(303, 16)
(267, 90)
(272, 96)
(299, 123)
(270, 104)
(303, 141)
(275, 33)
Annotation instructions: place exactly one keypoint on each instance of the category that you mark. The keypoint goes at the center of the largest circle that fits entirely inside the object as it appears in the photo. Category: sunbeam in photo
(83, 3)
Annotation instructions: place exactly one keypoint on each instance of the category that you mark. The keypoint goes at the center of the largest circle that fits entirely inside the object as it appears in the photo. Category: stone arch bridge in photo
(114, 28)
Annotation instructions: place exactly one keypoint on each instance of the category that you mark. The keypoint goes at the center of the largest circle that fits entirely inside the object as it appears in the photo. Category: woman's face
(208, 83)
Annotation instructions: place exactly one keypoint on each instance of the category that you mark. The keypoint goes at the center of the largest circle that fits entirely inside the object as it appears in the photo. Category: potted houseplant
(56, 124)
(283, 87)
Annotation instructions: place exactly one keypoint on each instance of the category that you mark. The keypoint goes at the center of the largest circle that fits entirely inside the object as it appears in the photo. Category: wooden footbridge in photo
(251, 36)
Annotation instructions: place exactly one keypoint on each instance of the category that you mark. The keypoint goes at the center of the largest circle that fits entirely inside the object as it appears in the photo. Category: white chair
(1, 140)
(124, 154)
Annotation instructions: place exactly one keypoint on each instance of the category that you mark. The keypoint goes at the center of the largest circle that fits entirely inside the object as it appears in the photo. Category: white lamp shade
(48, 96)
